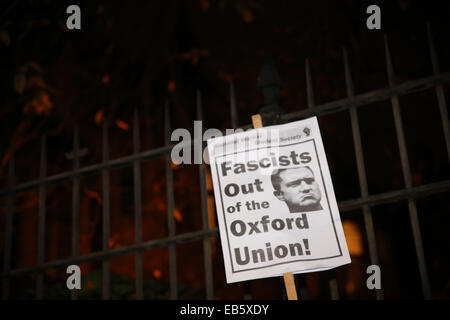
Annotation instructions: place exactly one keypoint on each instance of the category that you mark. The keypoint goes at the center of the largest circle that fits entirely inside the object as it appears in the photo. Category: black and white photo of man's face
(298, 188)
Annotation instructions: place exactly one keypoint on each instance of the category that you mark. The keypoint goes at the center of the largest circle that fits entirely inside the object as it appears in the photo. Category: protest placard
(275, 202)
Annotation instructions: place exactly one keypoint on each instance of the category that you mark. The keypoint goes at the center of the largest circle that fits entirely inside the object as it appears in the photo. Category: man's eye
(309, 180)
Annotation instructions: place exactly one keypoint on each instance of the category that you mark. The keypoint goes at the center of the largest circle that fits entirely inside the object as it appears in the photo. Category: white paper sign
(275, 202)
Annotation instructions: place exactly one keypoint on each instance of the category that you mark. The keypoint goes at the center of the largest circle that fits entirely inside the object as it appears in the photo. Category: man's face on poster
(299, 189)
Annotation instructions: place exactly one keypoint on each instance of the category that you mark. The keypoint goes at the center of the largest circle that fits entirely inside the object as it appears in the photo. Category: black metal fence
(365, 202)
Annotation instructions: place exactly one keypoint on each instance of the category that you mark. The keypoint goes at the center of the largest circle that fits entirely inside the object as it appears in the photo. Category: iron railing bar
(170, 210)
(355, 130)
(106, 212)
(75, 200)
(368, 221)
(101, 255)
(309, 86)
(407, 177)
(92, 169)
(344, 206)
(335, 106)
(311, 106)
(334, 291)
(234, 124)
(444, 116)
(415, 226)
(439, 91)
(433, 55)
(8, 227)
(395, 196)
(41, 221)
(368, 98)
(204, 206)
(137, 205)
(233, 107)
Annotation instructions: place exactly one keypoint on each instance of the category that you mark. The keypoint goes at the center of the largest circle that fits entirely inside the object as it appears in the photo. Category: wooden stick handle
(289, 282)
(257, 121)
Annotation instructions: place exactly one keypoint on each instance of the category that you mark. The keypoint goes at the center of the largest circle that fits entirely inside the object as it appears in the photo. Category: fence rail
(365, 202)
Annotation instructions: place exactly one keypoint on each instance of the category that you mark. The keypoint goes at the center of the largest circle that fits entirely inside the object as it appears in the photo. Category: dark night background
(138, 54)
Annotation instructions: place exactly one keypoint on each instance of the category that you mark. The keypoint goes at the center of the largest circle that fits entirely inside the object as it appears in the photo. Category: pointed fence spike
(433, 54)
(309, 85)
(199, 106)
(390, 69)
(348, 75)
(233, 108)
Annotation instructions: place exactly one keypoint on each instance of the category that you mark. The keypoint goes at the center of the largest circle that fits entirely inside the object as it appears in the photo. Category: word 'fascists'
(253, 165)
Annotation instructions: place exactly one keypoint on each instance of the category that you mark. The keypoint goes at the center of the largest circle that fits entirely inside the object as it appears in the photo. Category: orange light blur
(157, 273)
(106, 78)
(171, 86)
(122, 125)
(353, 237)
(178, 216)
(98, 117)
